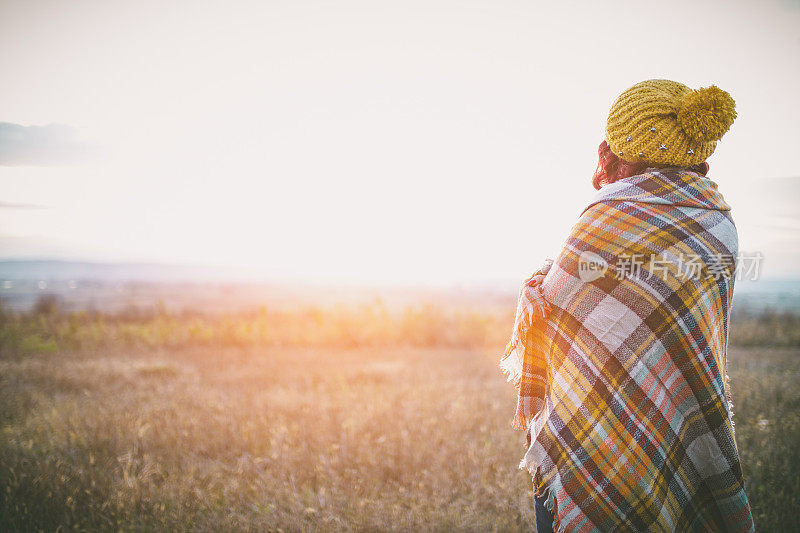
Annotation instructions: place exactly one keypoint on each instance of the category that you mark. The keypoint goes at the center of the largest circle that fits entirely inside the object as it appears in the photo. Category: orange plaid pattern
(621, 378)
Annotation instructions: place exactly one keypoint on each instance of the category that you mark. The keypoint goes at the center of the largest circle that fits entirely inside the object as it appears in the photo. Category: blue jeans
(544, 518)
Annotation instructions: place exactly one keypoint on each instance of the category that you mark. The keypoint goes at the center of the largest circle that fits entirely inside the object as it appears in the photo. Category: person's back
(623, 385)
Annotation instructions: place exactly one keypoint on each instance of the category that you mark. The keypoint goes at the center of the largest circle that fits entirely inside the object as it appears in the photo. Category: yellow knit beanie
(667, 123)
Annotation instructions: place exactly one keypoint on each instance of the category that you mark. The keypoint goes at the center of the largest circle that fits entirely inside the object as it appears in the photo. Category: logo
(591, 266)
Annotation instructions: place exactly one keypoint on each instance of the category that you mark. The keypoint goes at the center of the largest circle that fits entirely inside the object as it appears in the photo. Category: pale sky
(409, 141)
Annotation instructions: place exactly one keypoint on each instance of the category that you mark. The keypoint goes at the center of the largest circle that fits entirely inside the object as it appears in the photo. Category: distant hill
(61, 270)
(116, 286)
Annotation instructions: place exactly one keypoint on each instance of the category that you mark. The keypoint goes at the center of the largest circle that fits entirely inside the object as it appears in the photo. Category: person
(618, 351)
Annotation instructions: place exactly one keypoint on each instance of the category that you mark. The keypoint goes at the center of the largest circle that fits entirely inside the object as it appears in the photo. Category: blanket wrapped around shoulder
(621, 374)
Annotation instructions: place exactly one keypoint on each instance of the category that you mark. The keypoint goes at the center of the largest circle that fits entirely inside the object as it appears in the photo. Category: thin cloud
(51, 145)
(13, 205)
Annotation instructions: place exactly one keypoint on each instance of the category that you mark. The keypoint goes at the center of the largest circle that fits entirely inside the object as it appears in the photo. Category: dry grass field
(165, 423)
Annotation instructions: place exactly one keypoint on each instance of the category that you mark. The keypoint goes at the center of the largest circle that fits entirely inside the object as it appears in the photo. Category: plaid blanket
(619, 358)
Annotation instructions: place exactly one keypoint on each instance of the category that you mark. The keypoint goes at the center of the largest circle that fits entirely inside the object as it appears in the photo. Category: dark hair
(611, 168)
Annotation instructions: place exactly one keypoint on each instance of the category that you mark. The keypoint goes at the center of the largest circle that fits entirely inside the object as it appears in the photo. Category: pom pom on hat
(706, 114)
